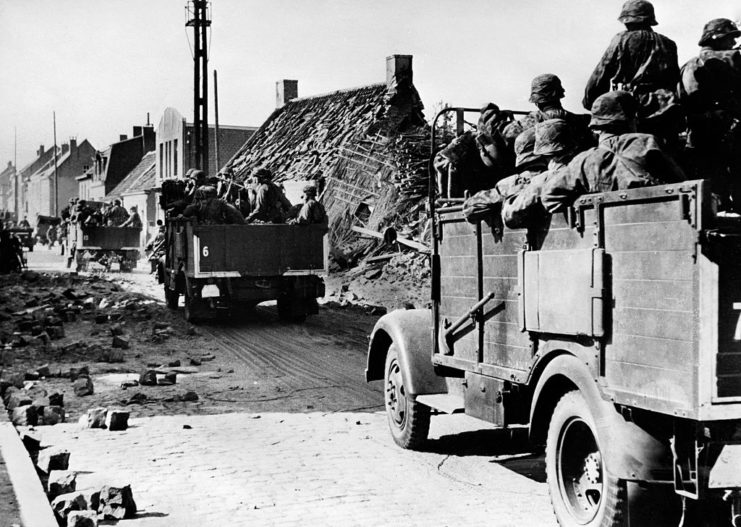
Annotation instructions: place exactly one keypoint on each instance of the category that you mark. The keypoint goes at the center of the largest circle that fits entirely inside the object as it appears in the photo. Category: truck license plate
(210, 291)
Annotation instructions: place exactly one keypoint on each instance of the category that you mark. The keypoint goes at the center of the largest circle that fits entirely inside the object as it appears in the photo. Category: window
(175, 158)
(162, 160)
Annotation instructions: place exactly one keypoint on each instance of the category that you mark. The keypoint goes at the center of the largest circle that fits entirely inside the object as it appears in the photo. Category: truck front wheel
(409, 421)
(582, 492)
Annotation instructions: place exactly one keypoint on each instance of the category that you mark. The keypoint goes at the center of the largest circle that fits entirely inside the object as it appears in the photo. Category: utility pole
(216, 122)
(198, 17)
(16, 186)
(56, 175)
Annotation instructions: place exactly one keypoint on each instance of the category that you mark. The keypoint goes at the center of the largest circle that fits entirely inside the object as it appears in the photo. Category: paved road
(312, 449)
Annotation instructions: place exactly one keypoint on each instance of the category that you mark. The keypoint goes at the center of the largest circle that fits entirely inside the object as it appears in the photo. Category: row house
(113, 164)
(7, 189)
(138, 189)
(39, 195)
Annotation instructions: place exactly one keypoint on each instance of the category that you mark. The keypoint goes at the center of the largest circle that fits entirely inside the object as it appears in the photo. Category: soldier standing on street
(710, 91)
(623, 158)
(644, 63)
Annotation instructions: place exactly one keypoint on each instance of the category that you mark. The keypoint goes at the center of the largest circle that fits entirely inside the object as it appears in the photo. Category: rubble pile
(74, 506)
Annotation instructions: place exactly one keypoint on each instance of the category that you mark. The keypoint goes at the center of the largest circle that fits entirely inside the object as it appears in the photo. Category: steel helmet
(613, 107)
(263, 174)
(524, 146)
(717, 29)
(553, 137)
(310, 190)
(638, 11)
(546, 87)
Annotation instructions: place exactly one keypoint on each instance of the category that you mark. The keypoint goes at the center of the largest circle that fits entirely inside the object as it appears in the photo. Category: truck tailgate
(259, 250)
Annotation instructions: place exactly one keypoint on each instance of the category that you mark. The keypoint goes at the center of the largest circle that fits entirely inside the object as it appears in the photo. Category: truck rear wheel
(171, 297)
(409, 421)
(582, 492)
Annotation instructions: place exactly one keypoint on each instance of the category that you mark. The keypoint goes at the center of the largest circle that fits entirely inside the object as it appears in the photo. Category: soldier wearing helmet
(554, 142)
(546, 92)
(312, 212)
(710, 91)
(644, 63)
(622, 159)
(271, 205)
(208, 209)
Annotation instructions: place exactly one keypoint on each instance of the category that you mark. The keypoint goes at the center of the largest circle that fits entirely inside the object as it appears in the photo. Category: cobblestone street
(304, 469)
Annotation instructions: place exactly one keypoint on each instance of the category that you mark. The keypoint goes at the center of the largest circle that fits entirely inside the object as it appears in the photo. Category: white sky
(103, 64)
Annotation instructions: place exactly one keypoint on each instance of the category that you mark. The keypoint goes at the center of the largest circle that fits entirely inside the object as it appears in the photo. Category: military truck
(105, 248)
(218, 267)
(612, 333)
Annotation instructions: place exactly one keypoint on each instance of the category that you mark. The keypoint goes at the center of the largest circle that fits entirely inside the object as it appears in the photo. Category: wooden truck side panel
(652, 353)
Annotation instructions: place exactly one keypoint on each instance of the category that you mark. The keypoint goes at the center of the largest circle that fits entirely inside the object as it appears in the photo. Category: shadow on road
(508, 447)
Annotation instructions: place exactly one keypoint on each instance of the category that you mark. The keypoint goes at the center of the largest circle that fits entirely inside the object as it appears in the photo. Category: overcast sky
(103, 64)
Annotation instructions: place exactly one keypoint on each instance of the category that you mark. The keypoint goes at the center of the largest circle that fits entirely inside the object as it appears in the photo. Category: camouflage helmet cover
(546, 87)
(717, 29)
(637, 12)
(263, 174)
(524, 146)
(613, 107)
(552, 137)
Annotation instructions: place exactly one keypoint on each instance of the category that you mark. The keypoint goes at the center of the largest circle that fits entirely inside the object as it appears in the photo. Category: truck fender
(410, 331)
(631, 452)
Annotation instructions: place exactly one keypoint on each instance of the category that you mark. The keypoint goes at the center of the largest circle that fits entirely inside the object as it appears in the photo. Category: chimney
(122, 137)
(149, 138)
(398, 69)
(137, 131)
(40, 151)
(285, 90)
(72, 143)
(65, 148)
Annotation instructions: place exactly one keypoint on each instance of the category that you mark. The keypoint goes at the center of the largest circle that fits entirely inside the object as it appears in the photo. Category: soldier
(644, 63)
(710, 91)
(554, 142)
(271, 205)
(623, 158)
(312, 211)
(133, 220)
(208, 209)
(117, 215)
(546, 93)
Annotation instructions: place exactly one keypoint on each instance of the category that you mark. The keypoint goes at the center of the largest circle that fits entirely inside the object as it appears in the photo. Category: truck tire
(171, 297)
(288, 312)
(582, 492)
(409, 421)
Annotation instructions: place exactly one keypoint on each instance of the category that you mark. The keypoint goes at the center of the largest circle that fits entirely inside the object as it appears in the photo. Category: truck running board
(444, 402)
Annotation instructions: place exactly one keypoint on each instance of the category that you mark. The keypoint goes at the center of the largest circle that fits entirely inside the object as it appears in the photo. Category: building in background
(7, 186)
(40, 197)
(175, 155)
(139, 189)
(114, 163)
(42, 157)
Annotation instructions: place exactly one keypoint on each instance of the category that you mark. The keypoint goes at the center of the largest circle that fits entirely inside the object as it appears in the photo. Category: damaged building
(365, 148)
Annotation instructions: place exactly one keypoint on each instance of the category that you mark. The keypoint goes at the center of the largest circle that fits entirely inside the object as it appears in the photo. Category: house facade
(114, 163)
(175, 149)
(40, 196)
(7, 189)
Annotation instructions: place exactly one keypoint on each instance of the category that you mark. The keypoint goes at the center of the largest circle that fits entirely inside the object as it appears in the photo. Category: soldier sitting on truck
(487, 204)
(546, 93)
(553, 141)
(210, 210)
(312, 212)
(271, 205)
(710, 92)
(134, 220)
(116, 215)
(623, 158)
